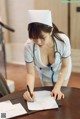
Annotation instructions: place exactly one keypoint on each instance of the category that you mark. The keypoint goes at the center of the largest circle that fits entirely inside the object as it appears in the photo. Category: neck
(51, 43)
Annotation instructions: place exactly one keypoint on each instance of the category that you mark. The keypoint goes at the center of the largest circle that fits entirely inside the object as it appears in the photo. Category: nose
(39, 42)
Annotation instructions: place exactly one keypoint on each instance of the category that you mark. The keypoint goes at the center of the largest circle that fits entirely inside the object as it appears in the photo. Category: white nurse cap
(40, 16)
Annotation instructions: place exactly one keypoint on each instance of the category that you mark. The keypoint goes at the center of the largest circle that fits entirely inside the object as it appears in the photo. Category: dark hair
(34, 30)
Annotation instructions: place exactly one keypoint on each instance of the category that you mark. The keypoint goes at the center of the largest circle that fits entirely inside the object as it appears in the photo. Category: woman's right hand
(27, 96)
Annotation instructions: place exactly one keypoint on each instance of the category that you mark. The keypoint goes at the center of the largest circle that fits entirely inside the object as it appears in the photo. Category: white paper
(6, 105)
(17, 111)
(11, 110)
(43, 101)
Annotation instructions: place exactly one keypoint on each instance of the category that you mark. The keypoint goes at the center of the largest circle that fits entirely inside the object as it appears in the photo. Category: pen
(29, 91)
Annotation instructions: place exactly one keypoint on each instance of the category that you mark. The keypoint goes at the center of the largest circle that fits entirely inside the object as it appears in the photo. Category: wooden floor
(17, 73)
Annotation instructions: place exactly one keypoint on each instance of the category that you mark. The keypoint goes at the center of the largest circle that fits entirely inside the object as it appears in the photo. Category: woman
(49, 51)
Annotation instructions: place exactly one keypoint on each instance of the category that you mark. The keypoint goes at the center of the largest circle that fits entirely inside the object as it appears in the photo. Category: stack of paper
(8, 110)
(43, 101)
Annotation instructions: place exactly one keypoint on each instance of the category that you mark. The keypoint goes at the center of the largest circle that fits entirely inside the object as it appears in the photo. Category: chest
(47, 56)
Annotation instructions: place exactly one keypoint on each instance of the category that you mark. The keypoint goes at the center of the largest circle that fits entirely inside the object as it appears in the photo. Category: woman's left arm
(56, 92)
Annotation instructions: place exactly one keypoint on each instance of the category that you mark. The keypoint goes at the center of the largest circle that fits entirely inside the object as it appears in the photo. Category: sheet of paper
(42, 101)
(8, 110)
(17, 111)
(6, 105)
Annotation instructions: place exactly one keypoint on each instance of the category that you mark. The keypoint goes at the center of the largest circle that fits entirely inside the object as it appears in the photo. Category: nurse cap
(40, 16)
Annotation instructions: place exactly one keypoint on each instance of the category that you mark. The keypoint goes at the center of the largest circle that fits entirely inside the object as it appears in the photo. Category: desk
(70, 108)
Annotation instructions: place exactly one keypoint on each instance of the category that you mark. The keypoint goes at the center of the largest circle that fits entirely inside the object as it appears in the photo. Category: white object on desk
(11, 110)
(6, 105)
(11, 85)
(16, 111)
(43, 101)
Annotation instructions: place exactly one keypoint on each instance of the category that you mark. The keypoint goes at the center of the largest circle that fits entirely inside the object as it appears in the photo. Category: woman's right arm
(30, 80)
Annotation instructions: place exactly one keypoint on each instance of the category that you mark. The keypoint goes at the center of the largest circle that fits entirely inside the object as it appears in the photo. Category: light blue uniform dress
(49, 73)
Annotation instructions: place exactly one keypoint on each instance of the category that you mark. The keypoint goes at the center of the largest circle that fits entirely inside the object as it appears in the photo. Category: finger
(34, 96)
(55, 96)
(52, 94)
(59, 96)
(62, 96)
(30, 99)
(27, 96)
(24, 97)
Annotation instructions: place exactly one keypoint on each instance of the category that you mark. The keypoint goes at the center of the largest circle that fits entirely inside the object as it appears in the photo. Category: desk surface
(70, 105)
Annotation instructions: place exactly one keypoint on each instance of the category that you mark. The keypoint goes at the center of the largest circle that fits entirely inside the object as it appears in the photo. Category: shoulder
(64, 47)
(64, 37)
(28, 44)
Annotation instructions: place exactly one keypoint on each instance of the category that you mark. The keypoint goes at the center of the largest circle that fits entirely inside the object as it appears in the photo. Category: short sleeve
(67, 48)
(28, 52)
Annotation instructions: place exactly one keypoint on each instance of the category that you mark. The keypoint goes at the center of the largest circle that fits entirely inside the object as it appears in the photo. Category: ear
(51, 31)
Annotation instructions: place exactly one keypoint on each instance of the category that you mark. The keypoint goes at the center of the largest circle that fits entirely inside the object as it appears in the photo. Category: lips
(40, 45)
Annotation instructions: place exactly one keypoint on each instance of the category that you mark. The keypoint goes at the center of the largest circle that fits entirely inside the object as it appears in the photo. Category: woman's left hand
(57, 93)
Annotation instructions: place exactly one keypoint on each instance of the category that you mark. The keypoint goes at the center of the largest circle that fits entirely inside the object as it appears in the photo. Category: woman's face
(44, 40)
